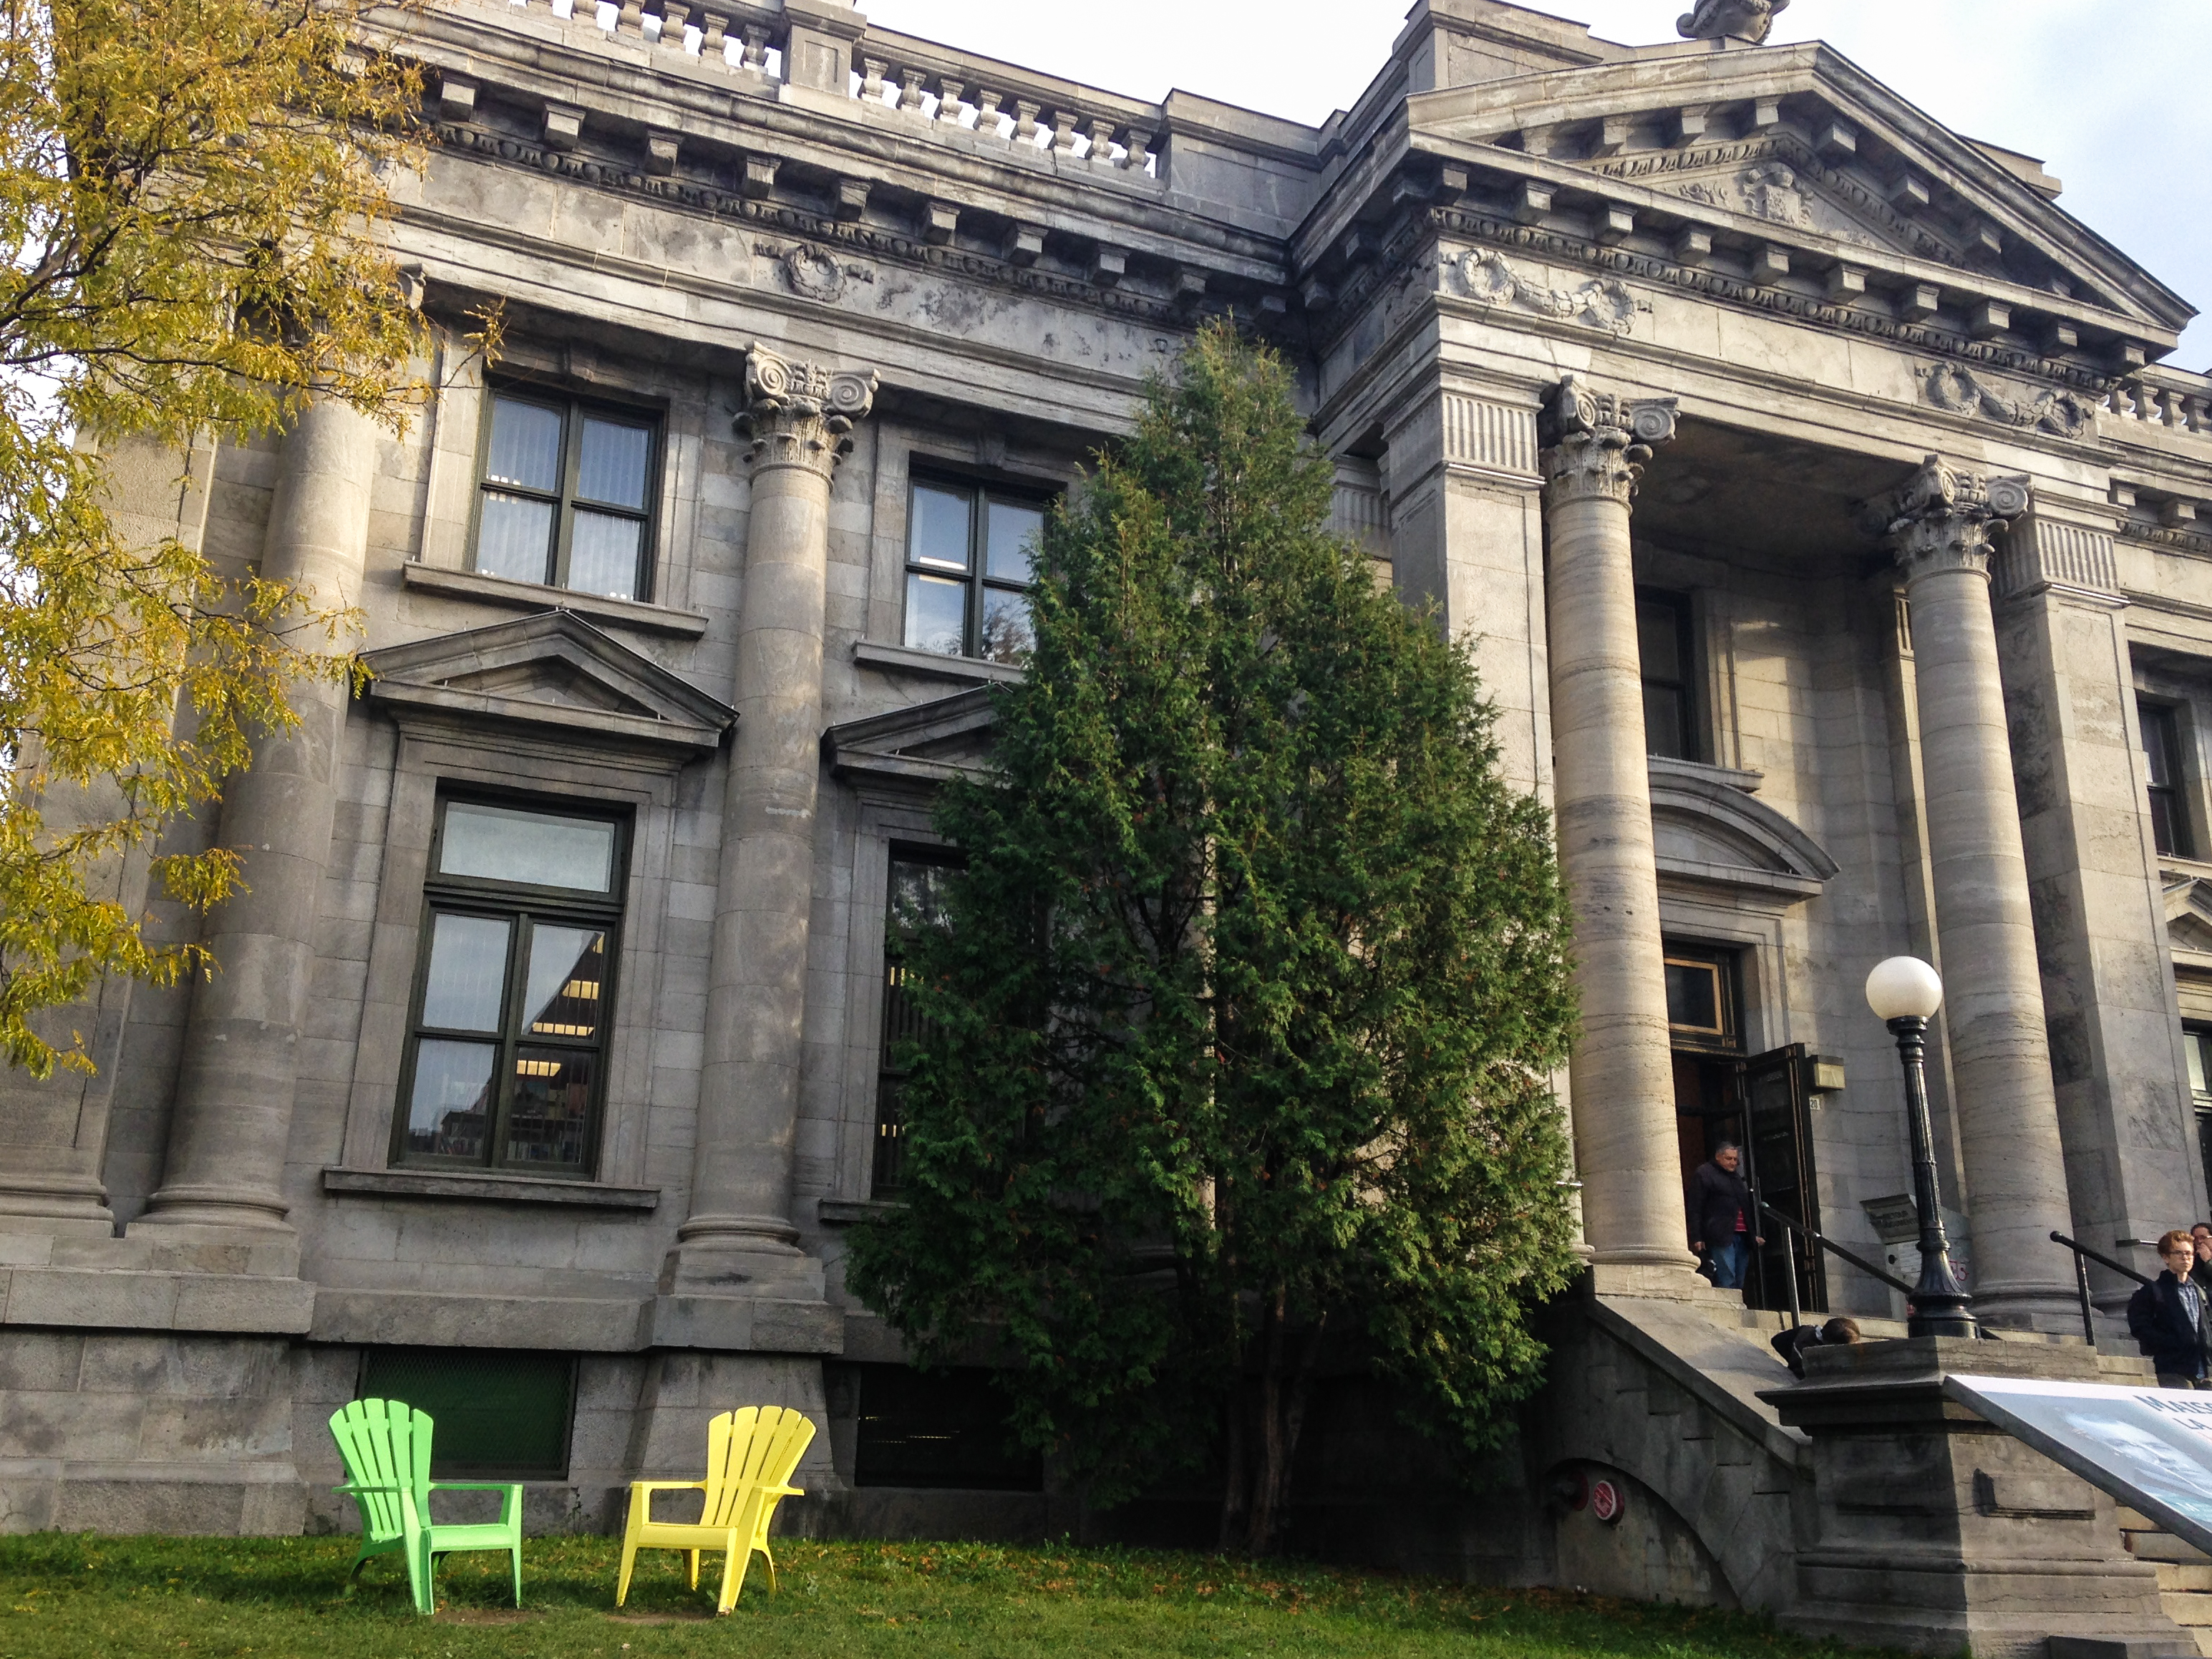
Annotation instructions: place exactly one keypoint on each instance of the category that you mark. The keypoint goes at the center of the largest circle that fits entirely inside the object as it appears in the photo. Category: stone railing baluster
(910, 90)
(1025, 122)
(949, 107)
(754, 55)
(674, 34)
(1063, 131)
(1102, 142)
(872, 80)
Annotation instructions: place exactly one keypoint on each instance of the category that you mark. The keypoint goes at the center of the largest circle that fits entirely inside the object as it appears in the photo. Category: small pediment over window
(915, 749)
(553, 672)
(1707, 828)
(2188, 917)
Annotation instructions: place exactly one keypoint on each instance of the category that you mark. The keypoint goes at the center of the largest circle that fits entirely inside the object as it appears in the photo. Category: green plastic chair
(386, 1448)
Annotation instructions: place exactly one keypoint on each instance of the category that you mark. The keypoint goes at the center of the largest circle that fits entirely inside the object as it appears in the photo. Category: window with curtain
(515, 987)
(968, 551)
(565, 495)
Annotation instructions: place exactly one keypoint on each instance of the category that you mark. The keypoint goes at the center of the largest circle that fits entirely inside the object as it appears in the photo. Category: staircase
(2184, 1575)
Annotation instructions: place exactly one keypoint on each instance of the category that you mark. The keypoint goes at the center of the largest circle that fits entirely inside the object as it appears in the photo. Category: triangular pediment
(1797, 147)
(553, 671)
(2189, 916)
(917, 748)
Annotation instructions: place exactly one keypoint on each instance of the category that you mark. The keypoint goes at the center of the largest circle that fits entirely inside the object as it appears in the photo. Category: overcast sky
(2114, 95)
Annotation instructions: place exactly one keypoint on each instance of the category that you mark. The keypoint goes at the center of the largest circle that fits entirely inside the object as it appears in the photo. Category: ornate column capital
(799, 414)
(1942, 519)
(1595, 442)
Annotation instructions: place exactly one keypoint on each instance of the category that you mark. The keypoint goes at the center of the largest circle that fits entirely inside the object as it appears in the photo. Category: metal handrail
(1833, 1248)
(2082, 1279)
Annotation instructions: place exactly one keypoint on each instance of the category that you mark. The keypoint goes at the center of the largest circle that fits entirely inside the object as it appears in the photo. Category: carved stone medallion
(812, 274)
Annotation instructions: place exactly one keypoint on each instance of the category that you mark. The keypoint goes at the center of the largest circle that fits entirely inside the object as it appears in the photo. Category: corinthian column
(1622, 1069)
(740, 1236)
(232, 1121)
(1940, 526)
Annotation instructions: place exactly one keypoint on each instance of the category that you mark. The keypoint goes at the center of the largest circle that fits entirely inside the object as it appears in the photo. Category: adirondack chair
(386, 1448)
(750, 1455)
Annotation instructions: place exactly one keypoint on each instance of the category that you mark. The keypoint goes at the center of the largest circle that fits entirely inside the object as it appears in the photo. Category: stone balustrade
(995, 100)
(2170, 398)
(940, 88)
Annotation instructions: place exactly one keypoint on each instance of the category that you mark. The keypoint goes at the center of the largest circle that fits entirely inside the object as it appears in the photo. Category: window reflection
(501, 843)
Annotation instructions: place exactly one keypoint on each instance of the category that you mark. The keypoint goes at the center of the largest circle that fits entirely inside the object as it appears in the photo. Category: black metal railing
(1789, 1254)
(2082, 1257)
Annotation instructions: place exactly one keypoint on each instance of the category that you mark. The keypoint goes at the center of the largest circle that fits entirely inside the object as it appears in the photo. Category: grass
(65, 1595)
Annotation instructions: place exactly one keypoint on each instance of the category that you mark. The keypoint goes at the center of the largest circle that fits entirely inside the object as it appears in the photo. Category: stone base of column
(1667, 1282)
(181, 1241)
(2051, 1308)
(58, 1206)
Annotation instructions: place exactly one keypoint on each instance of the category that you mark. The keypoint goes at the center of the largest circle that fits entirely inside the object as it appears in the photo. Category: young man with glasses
(2167, 1318)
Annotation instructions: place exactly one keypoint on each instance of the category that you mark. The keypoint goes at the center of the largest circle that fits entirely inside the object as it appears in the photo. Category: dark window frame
(2162, 725)
(523, 905)
(1685, 690)
(1725, 965)
(977, 582)
(2199, 1038)
(886, 1163)
(573, 408)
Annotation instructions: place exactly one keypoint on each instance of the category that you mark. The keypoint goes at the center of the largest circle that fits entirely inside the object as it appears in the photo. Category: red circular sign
(1605, 1500)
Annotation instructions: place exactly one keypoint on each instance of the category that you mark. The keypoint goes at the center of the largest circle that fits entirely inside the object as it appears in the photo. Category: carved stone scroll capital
(800, 413)
(1943, 519)
(1596, 443)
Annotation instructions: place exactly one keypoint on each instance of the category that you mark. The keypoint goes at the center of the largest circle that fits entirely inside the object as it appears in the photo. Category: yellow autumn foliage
(192, 199)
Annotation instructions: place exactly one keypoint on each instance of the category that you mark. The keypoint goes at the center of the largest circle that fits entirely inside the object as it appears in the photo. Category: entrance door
(1778, 1163)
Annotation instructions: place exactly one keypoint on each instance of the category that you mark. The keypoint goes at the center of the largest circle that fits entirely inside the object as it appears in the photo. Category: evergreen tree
(1241, 1010)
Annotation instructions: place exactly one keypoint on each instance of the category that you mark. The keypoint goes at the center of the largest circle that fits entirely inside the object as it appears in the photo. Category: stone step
(2189, 1609)
(2165, 1546)
(2203, 1638)
(2177, 1576)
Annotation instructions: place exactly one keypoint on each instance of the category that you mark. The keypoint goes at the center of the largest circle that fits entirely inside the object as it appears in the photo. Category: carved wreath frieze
(812, 275)
(1603, 302)
(1961, 391)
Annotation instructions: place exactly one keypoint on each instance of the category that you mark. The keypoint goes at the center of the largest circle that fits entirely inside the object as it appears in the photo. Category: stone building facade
(547, 1059)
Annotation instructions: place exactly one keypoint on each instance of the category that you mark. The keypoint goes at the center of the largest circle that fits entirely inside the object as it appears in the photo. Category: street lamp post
(1905, 993)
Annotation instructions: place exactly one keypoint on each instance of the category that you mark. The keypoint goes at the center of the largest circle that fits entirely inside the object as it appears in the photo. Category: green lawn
(62, 1596)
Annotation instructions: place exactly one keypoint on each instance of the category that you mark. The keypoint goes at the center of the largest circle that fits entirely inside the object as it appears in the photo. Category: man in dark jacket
(2167, 1318)
(1719, 1207)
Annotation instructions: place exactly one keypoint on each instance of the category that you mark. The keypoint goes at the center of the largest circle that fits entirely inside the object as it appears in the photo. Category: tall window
(968, 556)
(2162, 741)
(565, 494)
(1662, 638)
(916, 901)
(507, 1053)
(2197, 1042)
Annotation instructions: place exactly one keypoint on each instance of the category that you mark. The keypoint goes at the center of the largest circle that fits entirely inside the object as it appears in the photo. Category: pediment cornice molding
(912, 751)
(552, 674)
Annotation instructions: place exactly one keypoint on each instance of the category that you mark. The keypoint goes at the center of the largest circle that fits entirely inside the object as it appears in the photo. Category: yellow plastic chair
(752, 1453)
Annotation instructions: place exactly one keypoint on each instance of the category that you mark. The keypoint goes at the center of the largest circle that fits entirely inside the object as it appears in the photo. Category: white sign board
(2150, 1448)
